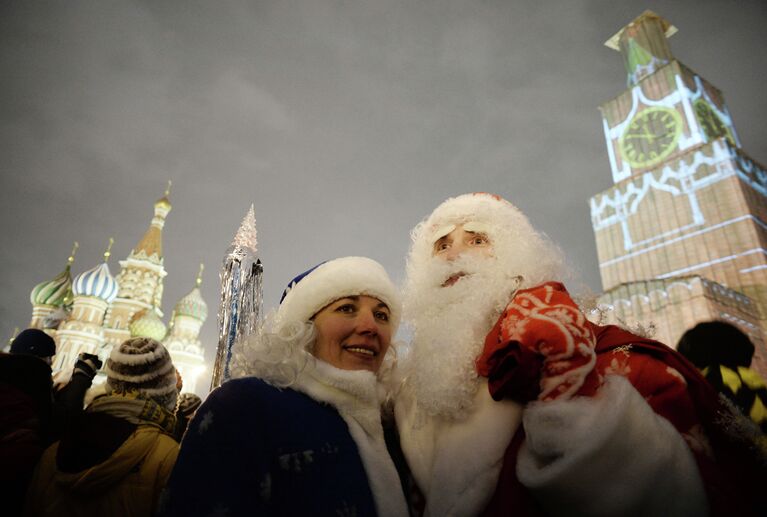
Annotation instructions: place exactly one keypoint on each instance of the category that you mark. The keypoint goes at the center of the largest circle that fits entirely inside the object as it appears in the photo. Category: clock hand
(645, 136)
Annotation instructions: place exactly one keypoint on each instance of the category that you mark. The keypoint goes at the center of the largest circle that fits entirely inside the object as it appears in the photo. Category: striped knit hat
(142, 365)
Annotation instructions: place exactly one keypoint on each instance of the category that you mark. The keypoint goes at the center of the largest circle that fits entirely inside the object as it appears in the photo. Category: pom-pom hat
(142, 365)
(312, 291)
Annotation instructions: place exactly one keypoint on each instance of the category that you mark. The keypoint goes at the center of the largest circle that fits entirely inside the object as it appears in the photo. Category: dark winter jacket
(25, 414)
(253, 449)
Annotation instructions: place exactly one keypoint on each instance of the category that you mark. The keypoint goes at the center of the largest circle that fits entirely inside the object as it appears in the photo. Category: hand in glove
(87, 364)
(542, 347)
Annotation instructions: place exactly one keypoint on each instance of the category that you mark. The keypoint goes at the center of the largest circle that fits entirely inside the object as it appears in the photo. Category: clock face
(710, 122)
(651, 136)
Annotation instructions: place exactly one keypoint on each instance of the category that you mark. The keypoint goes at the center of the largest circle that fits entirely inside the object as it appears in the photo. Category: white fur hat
(479, 207)
(518, 247)
(315, 289)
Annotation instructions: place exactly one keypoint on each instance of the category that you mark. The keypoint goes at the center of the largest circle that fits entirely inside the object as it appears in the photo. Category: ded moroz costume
(513, 403)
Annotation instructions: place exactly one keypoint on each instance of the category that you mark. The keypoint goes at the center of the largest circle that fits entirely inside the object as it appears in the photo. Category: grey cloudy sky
(343, 121)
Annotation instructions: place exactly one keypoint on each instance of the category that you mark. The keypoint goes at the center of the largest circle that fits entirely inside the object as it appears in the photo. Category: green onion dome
(148, 324)
(192, 305)
(56, 292)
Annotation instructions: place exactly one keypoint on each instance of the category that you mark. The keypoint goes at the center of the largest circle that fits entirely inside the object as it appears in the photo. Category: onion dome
(192, 304)
(98, 281)
(56, 292)
(148, 324)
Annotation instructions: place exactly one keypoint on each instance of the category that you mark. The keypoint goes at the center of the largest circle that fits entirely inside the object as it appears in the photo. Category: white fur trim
(354, 393)
(347, 276)
(520, 250)
(483, 210)
(457, 463)
(608, 455)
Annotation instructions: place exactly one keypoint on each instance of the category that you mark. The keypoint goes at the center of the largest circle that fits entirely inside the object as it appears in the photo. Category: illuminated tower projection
(140, 279)
(682, 234)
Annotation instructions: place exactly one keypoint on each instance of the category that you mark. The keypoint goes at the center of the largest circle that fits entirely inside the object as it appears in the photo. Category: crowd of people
(506, 400)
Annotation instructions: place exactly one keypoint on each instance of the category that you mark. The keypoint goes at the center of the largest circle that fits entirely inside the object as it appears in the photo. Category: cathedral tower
(682, 234)
(93, 291)
(140, 278)
(183, 340)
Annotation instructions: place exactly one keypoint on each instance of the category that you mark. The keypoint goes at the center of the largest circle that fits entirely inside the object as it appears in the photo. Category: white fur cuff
(608, 455)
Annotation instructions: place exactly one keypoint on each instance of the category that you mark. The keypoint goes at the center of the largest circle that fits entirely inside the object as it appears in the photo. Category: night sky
(345, 122)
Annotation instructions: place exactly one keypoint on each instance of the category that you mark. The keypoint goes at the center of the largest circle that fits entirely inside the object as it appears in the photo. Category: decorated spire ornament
(241, 295)
(108, 252)
(198, 280)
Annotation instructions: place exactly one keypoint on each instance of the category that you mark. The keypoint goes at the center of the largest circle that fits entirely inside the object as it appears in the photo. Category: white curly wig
(280, 350)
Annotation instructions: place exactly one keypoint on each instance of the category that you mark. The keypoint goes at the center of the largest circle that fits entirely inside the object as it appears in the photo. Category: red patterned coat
(544, 348)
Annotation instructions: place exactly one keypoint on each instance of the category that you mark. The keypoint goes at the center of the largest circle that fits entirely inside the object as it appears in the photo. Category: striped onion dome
(148, 324)
(192, 305)
(97, 282)
(56, 292)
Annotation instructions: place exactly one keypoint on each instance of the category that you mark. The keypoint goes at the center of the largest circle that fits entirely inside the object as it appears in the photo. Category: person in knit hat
(116, 458)
(300, 432)
(513, 403)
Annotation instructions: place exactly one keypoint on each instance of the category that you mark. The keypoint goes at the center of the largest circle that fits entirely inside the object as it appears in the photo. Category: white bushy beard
(450, 325)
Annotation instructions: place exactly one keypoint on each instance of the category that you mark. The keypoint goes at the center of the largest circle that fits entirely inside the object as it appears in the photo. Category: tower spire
(72, 254)
(643, 43)
(198, 280)
(151, 243)
(108, 252)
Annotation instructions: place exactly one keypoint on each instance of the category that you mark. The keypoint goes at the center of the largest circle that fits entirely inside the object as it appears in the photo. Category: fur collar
(456, 462)
(356, 396)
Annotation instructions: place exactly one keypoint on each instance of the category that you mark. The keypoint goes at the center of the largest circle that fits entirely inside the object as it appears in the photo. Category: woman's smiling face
(353, 333)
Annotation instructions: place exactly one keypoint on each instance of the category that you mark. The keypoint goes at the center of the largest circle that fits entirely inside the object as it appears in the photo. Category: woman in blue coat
(300, 433)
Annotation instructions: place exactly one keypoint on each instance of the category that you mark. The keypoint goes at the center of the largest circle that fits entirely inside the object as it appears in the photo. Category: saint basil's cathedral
(95, 310)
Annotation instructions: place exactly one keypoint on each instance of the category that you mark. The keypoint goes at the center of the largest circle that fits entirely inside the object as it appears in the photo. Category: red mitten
(545, 323)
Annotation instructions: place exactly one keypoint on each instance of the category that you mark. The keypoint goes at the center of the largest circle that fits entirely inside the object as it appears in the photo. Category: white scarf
(355, 395)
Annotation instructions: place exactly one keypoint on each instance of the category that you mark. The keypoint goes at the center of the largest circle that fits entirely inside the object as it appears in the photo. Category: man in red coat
(513, 403)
